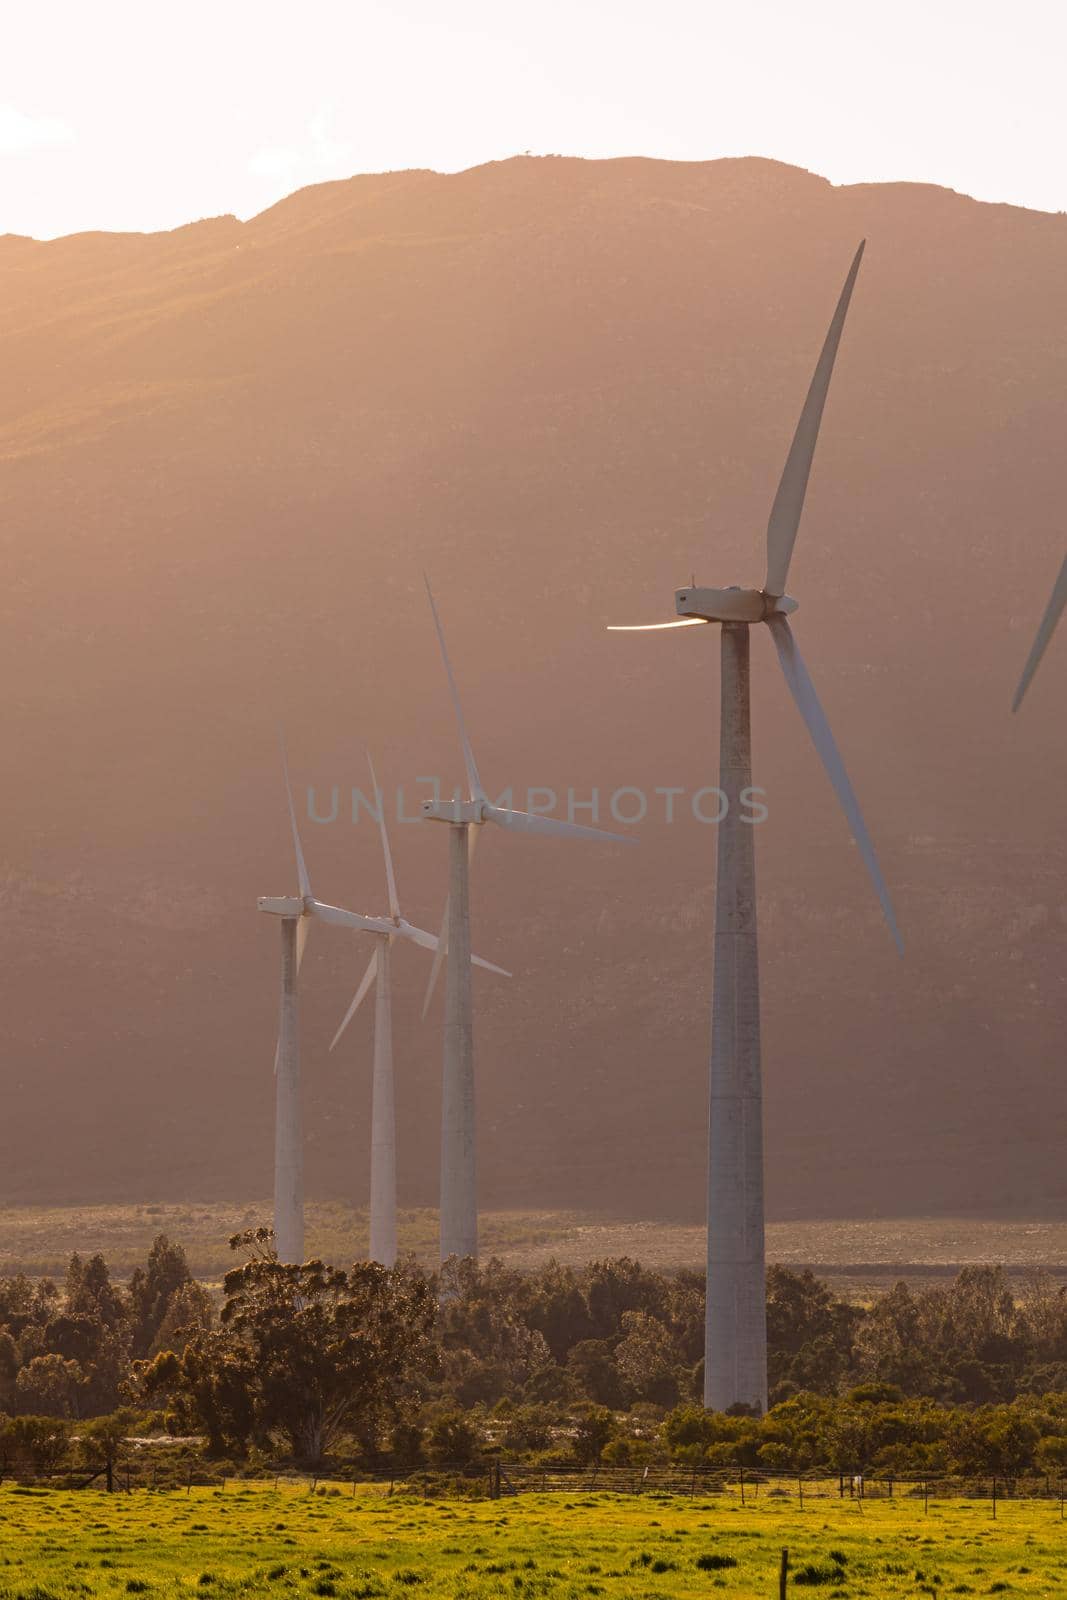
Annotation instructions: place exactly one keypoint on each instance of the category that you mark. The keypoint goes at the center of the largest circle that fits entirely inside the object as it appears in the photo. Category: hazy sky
(129, 114)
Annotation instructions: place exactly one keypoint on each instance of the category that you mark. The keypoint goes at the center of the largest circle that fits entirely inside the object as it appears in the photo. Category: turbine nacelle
(472, 811)
(282, 905)
(731, 605)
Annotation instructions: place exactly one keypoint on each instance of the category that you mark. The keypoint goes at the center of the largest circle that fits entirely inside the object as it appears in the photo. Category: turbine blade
(789, 501)
(442, 943)
(473, 780)
(303, 928)
(523, 822)
(440, 951)
(337, 917)
(358, 998)
(301, 866)
(390, 876)
(490, 966)
(430, 941)
(1048, 627)
(803, 691)
(656, 627)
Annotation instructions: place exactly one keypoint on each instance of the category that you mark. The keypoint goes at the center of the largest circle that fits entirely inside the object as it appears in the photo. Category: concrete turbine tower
(1044, 634)
(383, 1106)
(735, 1354)
(459, 1204)
(295, 913)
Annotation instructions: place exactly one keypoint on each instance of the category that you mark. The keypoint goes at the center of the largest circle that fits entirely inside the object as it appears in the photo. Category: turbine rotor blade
(524, 822)
(473, 780)
(301, 866)
(490, 966)
(803, 691)
(656, 627)
(440, 951)
(419, 936)
(430, 941)
(789, 501)
(358, 998)
(390, 876)
(337, 917)
(1055, 606)
(303, 928)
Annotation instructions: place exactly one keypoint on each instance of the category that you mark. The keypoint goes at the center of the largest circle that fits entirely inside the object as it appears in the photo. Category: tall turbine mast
(383, 1230)
(295, 913)
(459, 1203)
(735, 1350)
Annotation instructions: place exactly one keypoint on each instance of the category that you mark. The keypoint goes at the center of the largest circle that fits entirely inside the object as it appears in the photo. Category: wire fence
(498, 1479)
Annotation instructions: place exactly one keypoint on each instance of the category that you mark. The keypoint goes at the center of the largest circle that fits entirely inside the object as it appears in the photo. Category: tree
(306, 1351)
(49, 1386)
(452, 1441)
(647, 1359)
(595, 1428)
(189, 1313)
(592, 1366)
(153, 1288)
(37, 1444)
(102, 1443)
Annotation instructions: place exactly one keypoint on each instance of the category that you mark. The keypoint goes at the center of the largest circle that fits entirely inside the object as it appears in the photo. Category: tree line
(409, 1368)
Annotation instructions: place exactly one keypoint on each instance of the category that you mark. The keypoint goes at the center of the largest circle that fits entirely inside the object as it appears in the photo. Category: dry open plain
(856, 1256)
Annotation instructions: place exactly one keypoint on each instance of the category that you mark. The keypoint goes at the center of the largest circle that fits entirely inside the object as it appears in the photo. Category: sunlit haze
(127, 116)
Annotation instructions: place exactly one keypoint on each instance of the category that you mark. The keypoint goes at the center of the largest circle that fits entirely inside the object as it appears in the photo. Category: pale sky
(138, 114)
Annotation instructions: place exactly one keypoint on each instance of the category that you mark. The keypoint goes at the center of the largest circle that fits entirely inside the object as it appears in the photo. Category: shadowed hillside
(227, 452)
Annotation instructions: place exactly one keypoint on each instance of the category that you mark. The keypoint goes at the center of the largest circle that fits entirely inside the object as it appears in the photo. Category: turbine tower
(735, 1339)
(295, 913)
(459, 1204)
(1048, 627)
(383, 1106)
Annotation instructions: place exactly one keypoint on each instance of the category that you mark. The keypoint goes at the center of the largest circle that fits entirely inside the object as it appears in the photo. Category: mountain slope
(227, 453)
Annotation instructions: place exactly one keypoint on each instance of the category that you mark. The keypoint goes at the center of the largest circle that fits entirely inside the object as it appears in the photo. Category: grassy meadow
(258, 1539)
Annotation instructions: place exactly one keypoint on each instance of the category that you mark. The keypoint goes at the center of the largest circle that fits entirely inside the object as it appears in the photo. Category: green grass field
(256, 1539)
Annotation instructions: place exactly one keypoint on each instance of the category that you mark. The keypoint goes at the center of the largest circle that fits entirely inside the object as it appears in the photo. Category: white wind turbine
(295, 913)
(459, 1203)
(735, 1364)
(1044, 633)
(383, 1102)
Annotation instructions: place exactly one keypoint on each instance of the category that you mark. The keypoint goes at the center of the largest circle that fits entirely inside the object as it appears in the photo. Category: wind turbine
(735, 1354)
(459, 1203)
(296, 913)
(383, 1106)
(1048, 627)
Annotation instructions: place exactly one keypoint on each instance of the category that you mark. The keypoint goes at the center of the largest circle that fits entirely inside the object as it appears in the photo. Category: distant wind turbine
(735, 1357)
(1044, 633)
(459, 1203)
(296, 913)
(383, 1106)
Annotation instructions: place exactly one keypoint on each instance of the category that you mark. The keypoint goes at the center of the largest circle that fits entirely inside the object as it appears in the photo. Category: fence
(496, 1479)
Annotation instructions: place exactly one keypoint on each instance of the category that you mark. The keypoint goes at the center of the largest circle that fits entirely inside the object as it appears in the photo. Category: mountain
(561, 387)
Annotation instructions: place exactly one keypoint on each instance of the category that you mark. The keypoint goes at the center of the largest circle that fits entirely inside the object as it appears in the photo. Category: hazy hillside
(562, 387)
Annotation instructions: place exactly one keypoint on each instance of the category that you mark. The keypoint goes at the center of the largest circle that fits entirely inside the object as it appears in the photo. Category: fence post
(926, 1494)
(783, 1574)
(840, 1485)
(800, 1489)
(741, 1473)
(994, 1499)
